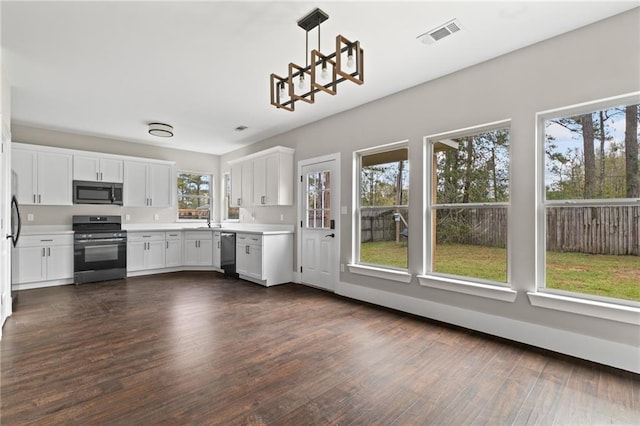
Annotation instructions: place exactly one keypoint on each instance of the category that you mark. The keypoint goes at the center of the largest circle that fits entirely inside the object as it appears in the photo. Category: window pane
(593, 156)
(384, 196)
(594, 250)
(471, 242)
(472, 169)
(194, 195)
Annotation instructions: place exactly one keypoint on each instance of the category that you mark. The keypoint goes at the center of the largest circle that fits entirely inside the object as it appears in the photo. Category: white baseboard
(42, 284)
(614, 354)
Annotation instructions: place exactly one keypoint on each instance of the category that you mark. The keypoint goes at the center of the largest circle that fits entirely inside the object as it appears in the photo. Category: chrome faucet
(209, 218)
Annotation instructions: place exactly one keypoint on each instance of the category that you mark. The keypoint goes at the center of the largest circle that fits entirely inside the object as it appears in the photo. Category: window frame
(211, 196)
(225, 199)
(456, 283)
(378, 271)
(582, 303)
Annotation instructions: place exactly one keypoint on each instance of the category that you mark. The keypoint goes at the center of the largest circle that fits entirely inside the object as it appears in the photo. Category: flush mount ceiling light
(161, 130)
(323, 74)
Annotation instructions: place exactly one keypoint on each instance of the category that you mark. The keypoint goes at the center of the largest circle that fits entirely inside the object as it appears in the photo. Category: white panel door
(319, 242)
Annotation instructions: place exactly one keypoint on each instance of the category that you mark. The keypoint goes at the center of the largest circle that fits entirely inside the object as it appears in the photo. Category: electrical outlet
(343, 210)
(342, 267)
(281, 217)
(29, 217)
(156, 216)
(127, 217)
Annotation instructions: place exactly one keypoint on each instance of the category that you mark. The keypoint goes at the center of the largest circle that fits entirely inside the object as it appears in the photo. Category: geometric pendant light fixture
(321, 73)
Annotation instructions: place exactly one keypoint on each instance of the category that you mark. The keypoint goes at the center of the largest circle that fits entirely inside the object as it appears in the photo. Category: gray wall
(61, 215)
(555, 73)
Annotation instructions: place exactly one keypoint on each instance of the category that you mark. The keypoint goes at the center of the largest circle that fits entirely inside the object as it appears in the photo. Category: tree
(631, 152)
(590, 182)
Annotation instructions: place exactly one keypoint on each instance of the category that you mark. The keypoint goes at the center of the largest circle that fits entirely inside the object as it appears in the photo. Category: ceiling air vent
(440, 32)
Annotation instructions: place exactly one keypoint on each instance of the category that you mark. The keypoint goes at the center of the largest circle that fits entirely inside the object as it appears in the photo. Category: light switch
(29, 217)
(343, 210)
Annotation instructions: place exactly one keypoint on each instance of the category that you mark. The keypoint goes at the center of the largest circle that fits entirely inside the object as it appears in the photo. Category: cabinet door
(86, 168)
(135, 184)
(254, 266)
(160, 188)
(216, 250)
(54, 178)
(59, 262)
(30, 265)
(155, 255)
(173, 253)
(24, 164)
(136, 255)
(272, 180)
(205, 253)
(111, 170)
(190, 252)
(247, 185)
(236, 185)
(243, 262)
(259, 184)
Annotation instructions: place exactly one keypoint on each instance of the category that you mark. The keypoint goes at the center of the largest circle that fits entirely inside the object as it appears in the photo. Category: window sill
(592, 308)
(467, 287)
(387, 274)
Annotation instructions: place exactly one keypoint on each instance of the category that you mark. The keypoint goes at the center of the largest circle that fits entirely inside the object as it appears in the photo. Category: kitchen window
(194, 195)
(382, 200)
(589, 220)
(229, 213)
(467, 200)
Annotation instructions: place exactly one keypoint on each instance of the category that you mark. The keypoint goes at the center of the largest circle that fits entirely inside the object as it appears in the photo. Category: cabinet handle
(97, 176)
(246, 249)
(34, 198)
(239, 199)
(218, 244)
(100, 175)
(49, 251)
(263, 199)
(43, 252)
(39, 198)
(167, 244)
(150, 201)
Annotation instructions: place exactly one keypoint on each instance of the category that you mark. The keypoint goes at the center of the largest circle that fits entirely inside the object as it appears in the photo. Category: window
(318, 206)
(591, 225)
(382, 204)
(194, 195)
(229, 213)
(468, 199)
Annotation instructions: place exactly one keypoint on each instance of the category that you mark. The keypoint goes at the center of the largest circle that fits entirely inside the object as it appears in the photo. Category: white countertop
(250, 228)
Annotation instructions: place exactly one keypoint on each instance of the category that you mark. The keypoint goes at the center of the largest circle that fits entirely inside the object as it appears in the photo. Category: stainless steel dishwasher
(228, 253)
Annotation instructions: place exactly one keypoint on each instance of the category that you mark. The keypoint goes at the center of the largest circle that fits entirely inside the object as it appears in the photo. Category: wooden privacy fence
(595, 230)
(378, 223)
(613, 230)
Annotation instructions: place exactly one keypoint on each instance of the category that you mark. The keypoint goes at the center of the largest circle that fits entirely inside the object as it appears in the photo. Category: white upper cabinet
(44, 177)
(263, 179)
(98, 169)
(148, 184)
(273, 178)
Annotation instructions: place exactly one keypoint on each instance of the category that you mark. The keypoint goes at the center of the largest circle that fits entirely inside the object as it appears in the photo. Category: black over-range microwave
(86, 192)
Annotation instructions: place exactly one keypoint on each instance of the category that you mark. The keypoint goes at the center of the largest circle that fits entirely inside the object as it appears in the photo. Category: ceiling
(110, 68)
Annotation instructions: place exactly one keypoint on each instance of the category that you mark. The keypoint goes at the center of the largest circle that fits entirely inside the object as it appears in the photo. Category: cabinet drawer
(253, 239)
(198, 235)
(173, 235)
(45, 240)
(145, 236)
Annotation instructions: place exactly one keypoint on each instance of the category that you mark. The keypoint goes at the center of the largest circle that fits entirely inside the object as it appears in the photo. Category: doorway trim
(300, 209)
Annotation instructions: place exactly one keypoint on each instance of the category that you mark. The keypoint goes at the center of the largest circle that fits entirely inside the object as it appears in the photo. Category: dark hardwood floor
(198, 348)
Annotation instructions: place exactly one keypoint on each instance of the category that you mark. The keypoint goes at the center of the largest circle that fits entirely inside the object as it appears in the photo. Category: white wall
(61, 215)
(558, 72)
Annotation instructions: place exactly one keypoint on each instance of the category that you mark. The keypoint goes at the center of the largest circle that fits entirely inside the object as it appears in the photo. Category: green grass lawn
(602, 275)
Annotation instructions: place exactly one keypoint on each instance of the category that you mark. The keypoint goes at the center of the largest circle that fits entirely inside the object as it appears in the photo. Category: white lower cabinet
(265, 259)
(173, 249)
(43, 258)
(198, 248)
(145, 250)
(216, 250)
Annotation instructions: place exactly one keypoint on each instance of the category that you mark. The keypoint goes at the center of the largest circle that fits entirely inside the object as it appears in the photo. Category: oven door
(96, 254)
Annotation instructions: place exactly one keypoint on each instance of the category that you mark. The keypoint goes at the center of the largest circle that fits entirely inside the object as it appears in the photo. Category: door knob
(332, 235)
